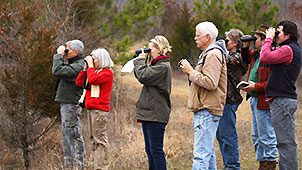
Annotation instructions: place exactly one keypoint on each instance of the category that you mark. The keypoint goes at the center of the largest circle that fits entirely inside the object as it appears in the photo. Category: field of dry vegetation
(126, 139)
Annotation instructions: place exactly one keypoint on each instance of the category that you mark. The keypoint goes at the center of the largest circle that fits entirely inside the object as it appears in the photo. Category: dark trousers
(154, 141)
(283, 118)
(227, 137)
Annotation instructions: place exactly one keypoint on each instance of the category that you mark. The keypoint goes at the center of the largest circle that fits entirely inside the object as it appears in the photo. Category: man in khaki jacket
(207, 93)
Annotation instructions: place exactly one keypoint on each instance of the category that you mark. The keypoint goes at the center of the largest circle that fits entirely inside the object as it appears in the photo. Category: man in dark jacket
(226, 133)
(67, 64)
(285, 64)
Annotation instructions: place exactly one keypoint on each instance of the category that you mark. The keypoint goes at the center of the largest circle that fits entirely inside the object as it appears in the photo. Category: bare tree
(27, 108)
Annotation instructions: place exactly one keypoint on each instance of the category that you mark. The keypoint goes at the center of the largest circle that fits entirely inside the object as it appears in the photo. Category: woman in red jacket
(97, 79)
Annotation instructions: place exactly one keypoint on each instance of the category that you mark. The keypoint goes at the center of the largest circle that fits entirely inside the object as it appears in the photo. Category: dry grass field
(126, 139)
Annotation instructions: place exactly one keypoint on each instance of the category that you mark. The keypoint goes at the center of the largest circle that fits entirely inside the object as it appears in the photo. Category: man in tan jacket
(207, 93)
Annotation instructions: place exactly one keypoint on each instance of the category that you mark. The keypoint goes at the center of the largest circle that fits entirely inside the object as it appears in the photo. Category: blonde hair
(103, 56)
(162, 43)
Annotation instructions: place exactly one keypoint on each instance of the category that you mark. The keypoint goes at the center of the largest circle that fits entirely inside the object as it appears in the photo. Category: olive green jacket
(67, 72)
(154, 102)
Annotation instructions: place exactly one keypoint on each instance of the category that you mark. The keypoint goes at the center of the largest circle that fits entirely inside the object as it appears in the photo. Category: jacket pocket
(146, 101)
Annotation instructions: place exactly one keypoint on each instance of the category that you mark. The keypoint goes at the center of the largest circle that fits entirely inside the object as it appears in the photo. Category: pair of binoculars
(253, 38)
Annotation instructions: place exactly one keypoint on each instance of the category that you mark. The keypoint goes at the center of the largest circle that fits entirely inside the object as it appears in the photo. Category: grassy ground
(126, 139)
(179, 132)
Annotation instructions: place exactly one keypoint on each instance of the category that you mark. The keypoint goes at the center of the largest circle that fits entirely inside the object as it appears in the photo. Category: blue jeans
(154, 141)
(283, 116)
(205, 127)
(228, 138)
(73, 143)
(263, 134)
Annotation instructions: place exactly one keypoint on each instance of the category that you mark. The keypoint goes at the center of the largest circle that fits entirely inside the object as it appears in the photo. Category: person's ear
(158, 51)
(75, 53)
(208, 37)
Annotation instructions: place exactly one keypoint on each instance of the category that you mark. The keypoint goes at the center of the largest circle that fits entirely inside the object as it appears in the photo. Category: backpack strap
(223, 57)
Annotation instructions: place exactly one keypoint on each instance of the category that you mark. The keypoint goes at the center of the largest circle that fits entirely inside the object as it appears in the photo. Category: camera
(179, 63)
(248, 38)
(146, 50)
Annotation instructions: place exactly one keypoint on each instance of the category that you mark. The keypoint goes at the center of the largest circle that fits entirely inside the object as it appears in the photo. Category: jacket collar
(288, 41)
(155, 60)
(74, 59)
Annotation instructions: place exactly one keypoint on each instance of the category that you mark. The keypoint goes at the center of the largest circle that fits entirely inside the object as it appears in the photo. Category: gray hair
(234, 34)
(103, 56)
(209, 28)
(76, 45)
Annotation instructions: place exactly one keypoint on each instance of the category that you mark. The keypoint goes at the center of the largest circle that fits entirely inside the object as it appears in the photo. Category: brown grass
(126, 139)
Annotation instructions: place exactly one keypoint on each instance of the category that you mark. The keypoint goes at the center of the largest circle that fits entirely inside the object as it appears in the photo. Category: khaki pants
(97, 124)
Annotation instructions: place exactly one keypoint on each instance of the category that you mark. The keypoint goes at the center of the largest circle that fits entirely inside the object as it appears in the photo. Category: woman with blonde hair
(153, 105)
(97, 79)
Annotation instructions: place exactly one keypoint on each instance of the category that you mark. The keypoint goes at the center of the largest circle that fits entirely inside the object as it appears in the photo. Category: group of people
(213, 98)
(89, 79)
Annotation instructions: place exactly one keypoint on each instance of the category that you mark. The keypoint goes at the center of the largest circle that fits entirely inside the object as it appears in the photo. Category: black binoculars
(253, 38)
(146, 50)
(248, 38)
(66, 49)
(137, 52)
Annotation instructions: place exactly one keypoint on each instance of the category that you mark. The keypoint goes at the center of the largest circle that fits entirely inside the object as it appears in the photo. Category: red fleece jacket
(104, 79)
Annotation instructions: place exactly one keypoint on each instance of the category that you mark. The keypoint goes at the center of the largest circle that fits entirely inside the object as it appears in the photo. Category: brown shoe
(267, 165)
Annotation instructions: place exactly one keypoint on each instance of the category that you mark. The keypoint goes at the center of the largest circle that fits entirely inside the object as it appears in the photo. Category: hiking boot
(267, 165)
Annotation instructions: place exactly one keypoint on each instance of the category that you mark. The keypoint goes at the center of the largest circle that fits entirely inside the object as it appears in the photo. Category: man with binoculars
(67, 64)
(263, 134)
(285, 64)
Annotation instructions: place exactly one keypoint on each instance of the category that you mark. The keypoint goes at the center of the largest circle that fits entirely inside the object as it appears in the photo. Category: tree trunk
(25, 150)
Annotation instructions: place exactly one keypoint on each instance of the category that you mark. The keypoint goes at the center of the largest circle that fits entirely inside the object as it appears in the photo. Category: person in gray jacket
(67, 64)
(153, 105)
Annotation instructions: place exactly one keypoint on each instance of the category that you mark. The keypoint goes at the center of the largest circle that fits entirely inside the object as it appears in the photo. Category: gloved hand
(185, 66)
(270, 33)
(61, 49)
(89, 61)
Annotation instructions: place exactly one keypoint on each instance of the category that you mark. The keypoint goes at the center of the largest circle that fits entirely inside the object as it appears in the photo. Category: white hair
(76, 45)
(209, 28)
(103, 56)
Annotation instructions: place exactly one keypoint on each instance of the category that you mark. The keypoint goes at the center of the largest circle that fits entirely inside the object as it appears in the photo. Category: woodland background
(31, 30)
